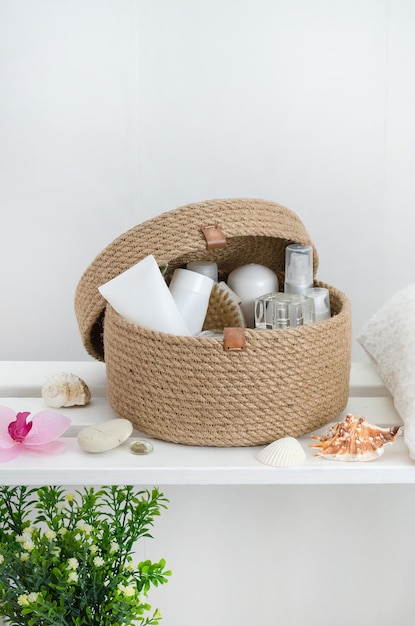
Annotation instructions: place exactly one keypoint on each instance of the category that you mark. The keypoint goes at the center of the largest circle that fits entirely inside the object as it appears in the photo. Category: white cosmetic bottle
(298, 268)
(191, 293)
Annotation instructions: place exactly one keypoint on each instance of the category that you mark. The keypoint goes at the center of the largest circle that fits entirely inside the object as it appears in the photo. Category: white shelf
(173, 464)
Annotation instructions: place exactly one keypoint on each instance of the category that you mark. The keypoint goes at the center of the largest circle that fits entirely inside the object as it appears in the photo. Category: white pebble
(105, 435)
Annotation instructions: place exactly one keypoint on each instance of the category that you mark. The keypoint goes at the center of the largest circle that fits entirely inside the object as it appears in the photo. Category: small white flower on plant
(86, 528)
(126, 590)
(93, 548)
(114, 546)
(62, 531)
(28, 545)
(69, 497)
(73, 563)
(129, 591)
(24, 556)
(50, 534)
(73, 577)
(32, 597)
(1, 559)
(98, 561)
(23, 600)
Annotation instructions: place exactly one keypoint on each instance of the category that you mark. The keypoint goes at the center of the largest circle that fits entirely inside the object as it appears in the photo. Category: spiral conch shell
(354, 439)
(63, 390)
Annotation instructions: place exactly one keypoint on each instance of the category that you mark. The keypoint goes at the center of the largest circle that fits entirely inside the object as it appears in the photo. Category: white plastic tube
(141, 295)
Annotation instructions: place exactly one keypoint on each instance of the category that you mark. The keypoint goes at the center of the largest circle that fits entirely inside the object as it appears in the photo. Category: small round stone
(141, 446)
(104, 435)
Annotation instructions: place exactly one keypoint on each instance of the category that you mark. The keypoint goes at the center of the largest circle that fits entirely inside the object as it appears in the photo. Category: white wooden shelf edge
(174, 464)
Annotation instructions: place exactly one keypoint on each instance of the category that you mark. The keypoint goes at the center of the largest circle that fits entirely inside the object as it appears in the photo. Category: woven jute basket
(192, 390)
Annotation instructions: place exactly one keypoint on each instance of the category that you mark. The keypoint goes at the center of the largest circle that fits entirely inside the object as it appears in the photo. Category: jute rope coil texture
(255, 230)
(188, 389)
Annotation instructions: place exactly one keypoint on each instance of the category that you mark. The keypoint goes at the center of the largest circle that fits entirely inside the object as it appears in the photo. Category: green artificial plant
(67, 559)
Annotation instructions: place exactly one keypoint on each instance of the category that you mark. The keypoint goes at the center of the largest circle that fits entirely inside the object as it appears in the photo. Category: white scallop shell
(284, 452)
(63, 390)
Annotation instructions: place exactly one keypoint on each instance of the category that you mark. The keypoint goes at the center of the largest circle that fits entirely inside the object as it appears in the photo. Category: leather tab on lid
(214, 237)
(234, 339)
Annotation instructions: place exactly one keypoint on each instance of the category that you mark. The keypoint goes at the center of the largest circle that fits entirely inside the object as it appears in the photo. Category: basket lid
(255, 231)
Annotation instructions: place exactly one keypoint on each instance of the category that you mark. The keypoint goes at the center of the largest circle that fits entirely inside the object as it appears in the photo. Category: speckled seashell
(354, 439)
(64, 390)
(284, 452)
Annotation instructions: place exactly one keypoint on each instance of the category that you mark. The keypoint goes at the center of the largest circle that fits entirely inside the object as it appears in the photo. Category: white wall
(114, 111)
(68, 160)
(287, 556)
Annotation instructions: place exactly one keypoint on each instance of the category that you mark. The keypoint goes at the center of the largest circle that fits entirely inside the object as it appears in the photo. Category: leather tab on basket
(214, 237)
(234, 339)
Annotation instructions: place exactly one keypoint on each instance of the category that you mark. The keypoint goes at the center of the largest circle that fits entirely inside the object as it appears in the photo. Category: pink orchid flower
(18, 433)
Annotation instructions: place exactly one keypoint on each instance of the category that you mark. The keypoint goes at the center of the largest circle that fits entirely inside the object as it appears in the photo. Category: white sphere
(250, 282)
